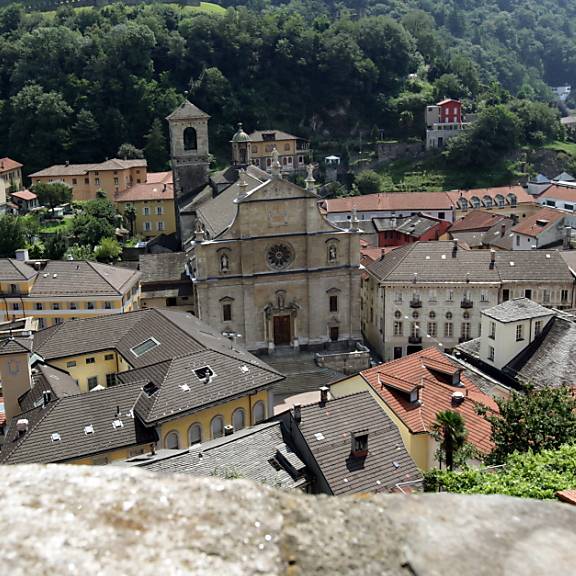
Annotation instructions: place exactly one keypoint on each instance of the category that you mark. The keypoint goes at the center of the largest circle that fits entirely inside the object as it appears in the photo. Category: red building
(400, 231)
(450, 111)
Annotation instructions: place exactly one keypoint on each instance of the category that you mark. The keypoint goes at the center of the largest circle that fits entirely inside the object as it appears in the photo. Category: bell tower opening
(190, 139)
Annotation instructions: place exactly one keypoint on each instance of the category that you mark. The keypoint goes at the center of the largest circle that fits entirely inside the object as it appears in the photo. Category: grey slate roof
(11, 269)
(15, 345)
(180, 390)
(162, 267)
(517, 309)
(411, 226)
(245, 454)
(550, 360)
(436, 261)
(335, 421)
(48, 378)
(187, 110)
(68, 417)
(72, 278)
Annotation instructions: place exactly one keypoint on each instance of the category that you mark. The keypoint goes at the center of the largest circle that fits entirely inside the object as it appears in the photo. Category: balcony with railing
(414, 339)
(415, 303)
(466, 303)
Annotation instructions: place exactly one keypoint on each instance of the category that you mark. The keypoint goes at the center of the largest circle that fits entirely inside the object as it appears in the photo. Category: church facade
(268, 269)
(280, 275)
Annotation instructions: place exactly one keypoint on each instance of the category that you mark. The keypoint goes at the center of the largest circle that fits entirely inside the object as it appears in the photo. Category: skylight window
(205, 373)
(319, 436)
(143, 347)
(150, 389)
(55, 437)
(185, 388)
(117, 424)
(88, 430)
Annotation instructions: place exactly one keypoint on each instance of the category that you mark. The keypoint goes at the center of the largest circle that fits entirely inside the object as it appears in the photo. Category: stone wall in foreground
(78, 520)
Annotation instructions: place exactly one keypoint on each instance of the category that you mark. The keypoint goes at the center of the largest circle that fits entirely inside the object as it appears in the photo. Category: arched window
(432, 314)
(258, 412)
(397, 314)
(448, 315)
(487, 201)
(463, 203)
(217, 427)
(195, 434)
(512, 199)
(238, 419)
(172, 440)
(500, 201)
(475, 201)
(190, 139)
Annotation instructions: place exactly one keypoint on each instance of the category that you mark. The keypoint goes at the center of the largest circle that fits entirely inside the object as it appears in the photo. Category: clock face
(279, 256)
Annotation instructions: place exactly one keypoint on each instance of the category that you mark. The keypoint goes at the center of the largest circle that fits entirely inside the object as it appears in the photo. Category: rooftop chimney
(492, 259)
(46, 397)
(566, 241)
(457, 398)
(297, 413)
(502, 230)
(228, 430)
(454, 248)
(67, 163)
(21, 255)
(22, 426)
(324, 395)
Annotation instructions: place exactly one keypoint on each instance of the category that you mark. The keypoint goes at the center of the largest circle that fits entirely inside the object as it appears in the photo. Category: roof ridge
(119, 292)
(407, 249)
(49, 409)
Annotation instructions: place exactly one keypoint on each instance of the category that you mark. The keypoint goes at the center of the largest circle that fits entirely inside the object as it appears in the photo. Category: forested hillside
(76, 84)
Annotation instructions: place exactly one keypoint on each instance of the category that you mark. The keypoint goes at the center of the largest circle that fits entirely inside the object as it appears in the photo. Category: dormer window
(150, 389)
(205, 374)
(360, 444)
(88, 430)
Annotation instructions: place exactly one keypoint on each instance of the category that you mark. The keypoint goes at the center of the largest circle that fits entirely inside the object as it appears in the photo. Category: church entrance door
(282, 335)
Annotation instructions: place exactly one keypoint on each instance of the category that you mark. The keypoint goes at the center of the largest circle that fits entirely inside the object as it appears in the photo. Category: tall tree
(52, 194)
(156, 150)
(450, 430)
(12, 235)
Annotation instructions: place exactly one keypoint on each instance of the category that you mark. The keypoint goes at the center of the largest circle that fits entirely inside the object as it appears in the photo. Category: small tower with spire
(241, 153)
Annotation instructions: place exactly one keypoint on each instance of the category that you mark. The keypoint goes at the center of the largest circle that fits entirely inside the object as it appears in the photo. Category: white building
(433, 293)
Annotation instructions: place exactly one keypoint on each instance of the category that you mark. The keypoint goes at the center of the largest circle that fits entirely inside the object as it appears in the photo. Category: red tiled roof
(155, 190)
(24, 195)
(518, 191)
(446, 101)
(567, 193)
(369, 254)
(476, 220)
(435, 395)
(389, 201)
(568, 496)
(157, 177)
(530, 227)
(7, 164)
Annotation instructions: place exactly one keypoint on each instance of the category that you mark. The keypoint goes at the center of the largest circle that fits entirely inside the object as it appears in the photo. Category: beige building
(294, 152)
(270, 270)
(433, 293)
(112, 177)
(60, 290)
(11, 174)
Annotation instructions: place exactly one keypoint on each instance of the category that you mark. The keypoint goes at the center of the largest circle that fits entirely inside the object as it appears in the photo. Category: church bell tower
(190, 159)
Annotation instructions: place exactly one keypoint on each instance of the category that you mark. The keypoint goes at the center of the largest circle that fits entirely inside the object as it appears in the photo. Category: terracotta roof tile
(7, 164)
(519, 191)
(568, 496)
(415, 201)
(547, 217)
(24, 195)
(435, 395)
(476, 220)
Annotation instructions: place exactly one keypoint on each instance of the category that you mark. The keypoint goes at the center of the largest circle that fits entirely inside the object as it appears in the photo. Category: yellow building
(60, 290)
(293, 152)
(167, 378)
(11, 174)
(413, 390)
(112, 177)
(153, 203)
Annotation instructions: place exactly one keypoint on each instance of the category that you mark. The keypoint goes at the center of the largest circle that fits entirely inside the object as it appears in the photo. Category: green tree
(85, 136)
(130, 217)
(108, 250)
(89, 229)
(55, 247)
(368, 182)
(538, 420)
(12, 235)
(78, 252)
(156, 151)
(129, 152)
(52, 194)
(449, 430)
(525, 475)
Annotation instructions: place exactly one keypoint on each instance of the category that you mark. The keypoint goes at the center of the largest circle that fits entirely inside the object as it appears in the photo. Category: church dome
(240, 135)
